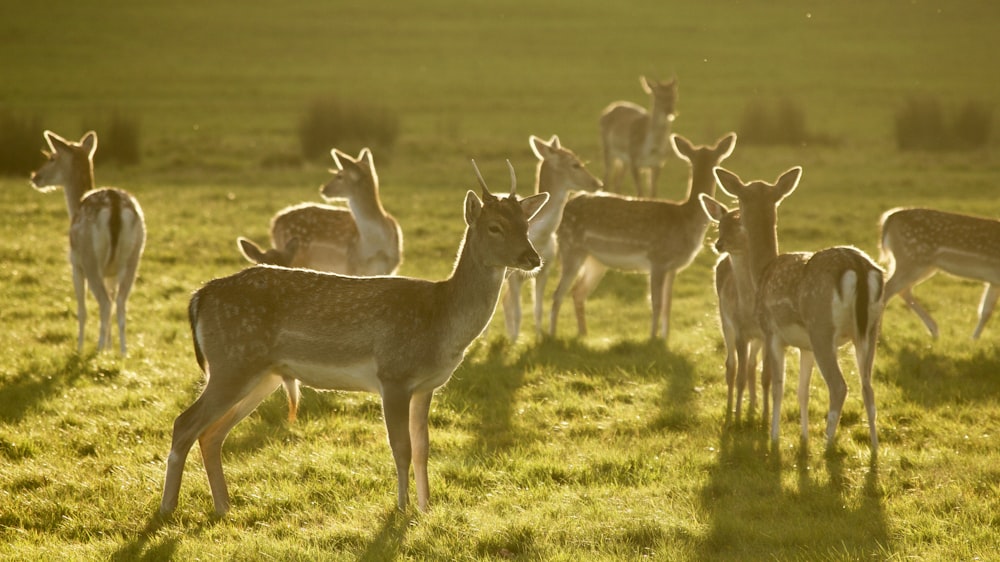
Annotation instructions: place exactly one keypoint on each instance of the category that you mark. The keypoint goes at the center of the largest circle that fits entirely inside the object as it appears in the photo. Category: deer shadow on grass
(833, 507)
(487, 384)
(929, 376)
(43, 378)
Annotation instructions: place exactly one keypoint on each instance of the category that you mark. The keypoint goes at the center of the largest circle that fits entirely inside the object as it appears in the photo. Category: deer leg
(420, 406)
(293, 394)
(774, 365)
(125, 281)
(396, 411)
(539, 281)
(512, 305)
(80, 288)
(916, 307)
(667, 294)
(805, 373)
(986, 306)
(902, 281)
(593, 272)
(864, 350)
(732, 364)
(825, 353)
(212, 438)
(100, 292)
(751, 372)
(571, 261)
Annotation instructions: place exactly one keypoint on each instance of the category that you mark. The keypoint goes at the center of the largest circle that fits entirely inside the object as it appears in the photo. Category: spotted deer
(396, 336)
(107, 232)
(815, 302)
(601, 231)
(737, 293)
(916, 243)
(636, 139)
(360, 240)
(559, 172)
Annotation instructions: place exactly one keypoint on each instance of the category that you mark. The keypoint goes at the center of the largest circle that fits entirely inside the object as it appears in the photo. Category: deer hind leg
(593, 272)
(125, 281)
(512, 305)
(732, 365)
(80, 288)
(571, 261)
(986, 305)
(774, 367)
(100, 291)
(750, 373)
(293, 394)
(902, 282)
(396, 412)
(864, 351)
(806, 360)
(420, 405)
(538, 282)
(825, 353)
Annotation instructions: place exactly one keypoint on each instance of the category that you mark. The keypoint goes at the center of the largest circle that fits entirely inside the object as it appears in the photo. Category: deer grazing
(636, 139)
(918, 242)
(599, 231)
(559, 172)
(815, 302)
(107, 232)
(737, 293)
(362, 240)
(399, 337)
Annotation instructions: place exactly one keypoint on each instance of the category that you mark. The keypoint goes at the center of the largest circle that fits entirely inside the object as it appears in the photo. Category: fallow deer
(362, 240)
(599, 231)
(815, 302)
(107, 232)
(918, 242)
(636, 139)
(560, 171)
(399, 337)
(737, 293)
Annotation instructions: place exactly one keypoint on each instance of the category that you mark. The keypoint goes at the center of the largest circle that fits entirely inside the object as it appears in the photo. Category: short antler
(479, 176)
(513, 178)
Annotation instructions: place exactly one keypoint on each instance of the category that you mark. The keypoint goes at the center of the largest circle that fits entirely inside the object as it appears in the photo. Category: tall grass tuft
(923, 123)
(333, 122)
(20, 141)
(118, 139)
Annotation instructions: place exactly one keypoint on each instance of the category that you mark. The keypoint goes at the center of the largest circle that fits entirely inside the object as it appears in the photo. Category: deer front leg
(920, 311)
(774, 365)
(396, 411)
(512, 305)
(420, 406)
(80, 287)
(986, 306)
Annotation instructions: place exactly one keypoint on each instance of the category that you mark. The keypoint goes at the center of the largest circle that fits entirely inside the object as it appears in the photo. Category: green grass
(606, 447)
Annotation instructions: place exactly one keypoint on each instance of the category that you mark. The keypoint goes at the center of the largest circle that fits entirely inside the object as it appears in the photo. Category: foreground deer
(364, 240)
(737, 292)
(399, 337)
(815, 302)
(636, 139)
(107, 232)
(918, 242)
(603, 230)
(559, 172)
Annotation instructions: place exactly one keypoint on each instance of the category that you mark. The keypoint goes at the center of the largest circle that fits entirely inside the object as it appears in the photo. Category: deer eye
(495, 230)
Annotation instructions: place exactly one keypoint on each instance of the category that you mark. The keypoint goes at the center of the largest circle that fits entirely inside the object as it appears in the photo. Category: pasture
(606, 447)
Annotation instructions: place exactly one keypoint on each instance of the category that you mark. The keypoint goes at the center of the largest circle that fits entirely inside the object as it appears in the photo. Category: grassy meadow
(608, 447)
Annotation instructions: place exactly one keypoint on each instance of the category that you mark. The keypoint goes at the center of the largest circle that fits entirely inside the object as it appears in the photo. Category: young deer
(399, 337)
(636, 139)
(815, 302)
(918, 242)
(599, 231)
(559, 172)
(107, 232)
(362, 240)
(737, 292)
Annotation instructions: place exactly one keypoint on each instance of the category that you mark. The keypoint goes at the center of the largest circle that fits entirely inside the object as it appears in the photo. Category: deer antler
(513, 178)
(479, 176)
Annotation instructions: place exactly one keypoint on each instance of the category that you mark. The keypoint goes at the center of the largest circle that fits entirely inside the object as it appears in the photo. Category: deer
(637, 139)
(816, 302)
(605, 230)
(559, 172)
(107, 232)
(916, 243)
(737, 292)
(399, 337)
(360, 240)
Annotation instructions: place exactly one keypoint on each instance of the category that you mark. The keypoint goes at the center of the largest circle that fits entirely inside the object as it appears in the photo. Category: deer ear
(713, 208)
(554, 142)
(473, 207)
(725, 146)
(539, 147)
(646, 87)
(534, 203)
(365, 157)
(252, 252)
(682, 147)
(337, 155)
(788, 181)
(729, 182)
(54, 141)
(89, 143)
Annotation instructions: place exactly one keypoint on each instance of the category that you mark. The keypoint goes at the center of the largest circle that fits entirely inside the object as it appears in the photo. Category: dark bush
(20, 143)
(782, 122)
(332, 122)
(117, 139)
(923, 124)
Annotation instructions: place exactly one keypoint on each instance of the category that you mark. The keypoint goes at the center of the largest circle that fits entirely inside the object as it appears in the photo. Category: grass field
(607, 447)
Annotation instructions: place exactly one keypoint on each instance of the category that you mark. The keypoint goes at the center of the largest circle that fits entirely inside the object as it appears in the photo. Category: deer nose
(530, 259)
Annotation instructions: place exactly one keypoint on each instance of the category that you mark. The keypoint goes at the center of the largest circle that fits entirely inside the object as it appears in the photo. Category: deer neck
(368, 212)
(81, 181)
(700, 180)
(762, 234)
(548, 218)
(657, 130)
(745, 282)
(471, 293)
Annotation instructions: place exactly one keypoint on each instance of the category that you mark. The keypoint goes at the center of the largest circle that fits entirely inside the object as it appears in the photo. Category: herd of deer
(326, 309)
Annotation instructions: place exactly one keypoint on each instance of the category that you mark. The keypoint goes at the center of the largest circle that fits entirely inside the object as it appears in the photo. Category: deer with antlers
(396, 336)
(636, 139)
(107, 232)
(815, 302)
